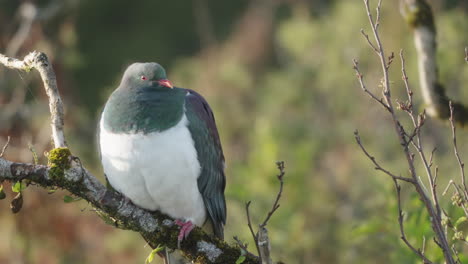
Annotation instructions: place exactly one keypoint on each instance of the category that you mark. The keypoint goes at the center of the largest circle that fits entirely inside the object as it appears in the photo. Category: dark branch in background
(66, 171)
(408, 141)
(419, 16)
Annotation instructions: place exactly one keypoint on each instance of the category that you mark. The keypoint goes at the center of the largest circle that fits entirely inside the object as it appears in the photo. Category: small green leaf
(2, 193)
(18, 187)
(69, 199)
(240, 260)
(150, 257)
(461, 220)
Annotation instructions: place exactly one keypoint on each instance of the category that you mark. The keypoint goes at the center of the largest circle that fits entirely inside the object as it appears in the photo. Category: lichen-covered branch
(419, 16)
(66, 171)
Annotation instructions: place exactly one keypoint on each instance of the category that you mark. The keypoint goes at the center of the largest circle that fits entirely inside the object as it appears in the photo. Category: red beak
(165, 83)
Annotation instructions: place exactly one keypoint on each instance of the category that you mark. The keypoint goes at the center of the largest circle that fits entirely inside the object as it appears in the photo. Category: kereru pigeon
(161, 149)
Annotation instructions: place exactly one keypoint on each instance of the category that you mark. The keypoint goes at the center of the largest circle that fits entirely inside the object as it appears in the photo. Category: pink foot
(185, 229)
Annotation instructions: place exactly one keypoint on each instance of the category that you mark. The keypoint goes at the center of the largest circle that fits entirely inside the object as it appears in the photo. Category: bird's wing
(211, 181)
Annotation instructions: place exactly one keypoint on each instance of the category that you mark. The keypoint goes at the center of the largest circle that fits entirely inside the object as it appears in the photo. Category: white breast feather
(156, 171)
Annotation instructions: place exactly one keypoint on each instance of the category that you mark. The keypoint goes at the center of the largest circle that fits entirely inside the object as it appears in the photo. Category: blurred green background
(278, 75)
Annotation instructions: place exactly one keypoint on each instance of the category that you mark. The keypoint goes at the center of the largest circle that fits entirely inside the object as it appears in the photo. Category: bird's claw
(185, 229)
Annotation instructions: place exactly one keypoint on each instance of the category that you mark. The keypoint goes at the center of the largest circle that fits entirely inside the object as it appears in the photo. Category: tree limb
(419, 16)
(66, 171)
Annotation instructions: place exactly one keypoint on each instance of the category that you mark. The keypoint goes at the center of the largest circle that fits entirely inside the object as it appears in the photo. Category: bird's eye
(143, 78)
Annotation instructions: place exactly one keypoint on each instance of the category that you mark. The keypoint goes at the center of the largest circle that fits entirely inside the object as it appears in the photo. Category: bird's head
(148, 74)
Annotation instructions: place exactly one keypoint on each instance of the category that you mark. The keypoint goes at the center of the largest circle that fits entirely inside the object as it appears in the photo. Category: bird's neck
(143, 110)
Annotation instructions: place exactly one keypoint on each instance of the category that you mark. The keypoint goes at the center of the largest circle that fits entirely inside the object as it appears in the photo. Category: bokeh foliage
(278, 76)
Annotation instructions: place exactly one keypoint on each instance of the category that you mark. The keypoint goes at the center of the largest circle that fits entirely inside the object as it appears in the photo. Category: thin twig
(249, 224)
(369, 41)
(276, 204)
(457, 155)
(243, 246)
(380, 53)
(432, 157)
(455, 251)
(377, 165)
(418, 252)
(363, 85)
(409, 92)
(418, 123)
(450, 183)
(377, 20)
(5, 147)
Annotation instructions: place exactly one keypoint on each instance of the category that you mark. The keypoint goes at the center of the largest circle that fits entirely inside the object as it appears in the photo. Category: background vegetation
(278, 75)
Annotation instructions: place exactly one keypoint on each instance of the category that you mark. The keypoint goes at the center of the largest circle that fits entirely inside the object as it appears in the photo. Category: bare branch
(432, 157)
(457, 155)
(432, 208)
(377, 165)
(39, 61)
(377, 9)
(409, 92)
(369, 41)
(417, 141)
(381, 52)
(249, 224)
(363, 85)
(276, 205)
(418, 252)
(261, 237)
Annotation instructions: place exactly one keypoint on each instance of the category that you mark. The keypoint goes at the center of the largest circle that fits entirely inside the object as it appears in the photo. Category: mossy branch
(418, 14)
(66, 171)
